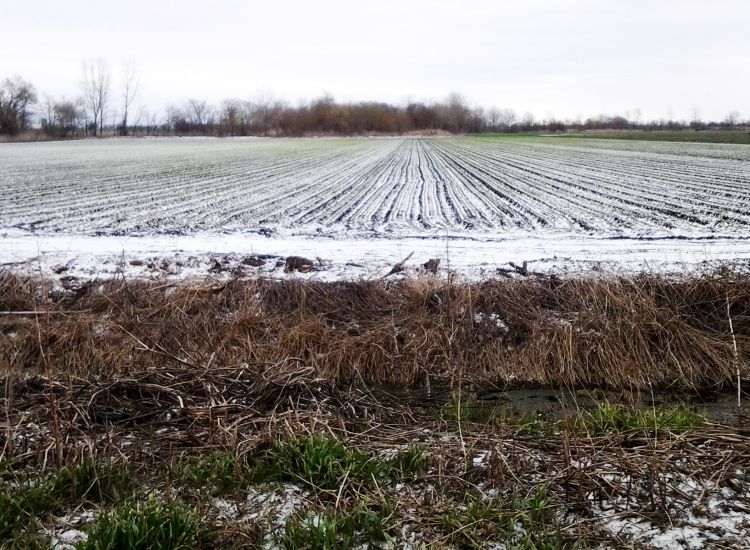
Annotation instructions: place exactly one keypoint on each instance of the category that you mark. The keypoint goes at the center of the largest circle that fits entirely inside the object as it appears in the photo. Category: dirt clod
(253, 261)
(431, 266)
(298, 263)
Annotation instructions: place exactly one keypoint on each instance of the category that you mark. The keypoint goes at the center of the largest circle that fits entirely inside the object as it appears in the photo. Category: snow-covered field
(476, 203)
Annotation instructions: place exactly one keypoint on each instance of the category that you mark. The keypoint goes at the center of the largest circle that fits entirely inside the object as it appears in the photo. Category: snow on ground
(180, 257)
(69, 530)
(720, 515)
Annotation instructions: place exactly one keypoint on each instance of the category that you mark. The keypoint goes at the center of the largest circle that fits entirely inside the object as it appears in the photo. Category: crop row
(376, 186)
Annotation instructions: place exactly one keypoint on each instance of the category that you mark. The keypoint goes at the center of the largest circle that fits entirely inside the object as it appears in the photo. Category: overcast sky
(568, 58)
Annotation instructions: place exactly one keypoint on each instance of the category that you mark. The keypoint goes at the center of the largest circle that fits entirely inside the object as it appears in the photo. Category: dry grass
(643, 333)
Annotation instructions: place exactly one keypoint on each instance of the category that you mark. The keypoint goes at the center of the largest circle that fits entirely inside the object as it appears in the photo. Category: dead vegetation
(214, 388)
(641, 333)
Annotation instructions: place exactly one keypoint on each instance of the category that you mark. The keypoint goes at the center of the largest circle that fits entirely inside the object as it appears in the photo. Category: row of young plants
(377, 185)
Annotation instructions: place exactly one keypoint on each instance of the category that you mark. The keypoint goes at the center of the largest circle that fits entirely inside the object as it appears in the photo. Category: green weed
(330, 531)
(216, 473)
(25, 501)
(409, 463)
(518, 522)
(609, 418)
(145, 525)
(324, 463)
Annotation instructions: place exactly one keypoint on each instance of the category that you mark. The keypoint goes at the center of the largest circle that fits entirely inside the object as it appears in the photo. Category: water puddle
(554, 404)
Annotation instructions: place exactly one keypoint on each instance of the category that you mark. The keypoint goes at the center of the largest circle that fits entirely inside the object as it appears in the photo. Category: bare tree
(66, 118)
(198, 112)
(130, 81)
(732, 118)
(48, 106)
(507, 117)
(171, 115)
(96, 84)
(264, 108)
(528, 120)
(696, 114)
(455, 113)
(695, 121)
(142, 114)
(493, 118)
(16, 95)
(232, 117)
(153, 123)
(501, 119)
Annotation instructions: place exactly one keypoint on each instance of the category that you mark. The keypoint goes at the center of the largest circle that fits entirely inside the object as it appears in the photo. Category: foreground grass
(149, 524)
(320, 492)
(524, 522)
(317, 462)
(368, 523)
(246, 414)
(26, 500)
(132, 519)
(324, 463)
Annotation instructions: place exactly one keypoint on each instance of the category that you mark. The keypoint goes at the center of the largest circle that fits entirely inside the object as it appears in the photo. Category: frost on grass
(68, 530)
(494, 319)
(273, 506)
(717, 514)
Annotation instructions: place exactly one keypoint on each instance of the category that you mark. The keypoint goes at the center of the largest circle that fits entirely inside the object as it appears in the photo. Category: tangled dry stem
(639, 333)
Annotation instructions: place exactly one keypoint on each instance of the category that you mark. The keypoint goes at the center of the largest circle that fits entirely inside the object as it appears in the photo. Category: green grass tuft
(409, 463)
(333, 531)
(96, 483)
(314, 533)
(23, 503)
(145, 525)
(324, 463)
(319, 462)
(609, 418)
(215, 473)
(517, 522)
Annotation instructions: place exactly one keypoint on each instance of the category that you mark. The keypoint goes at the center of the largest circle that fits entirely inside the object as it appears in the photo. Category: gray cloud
(573, 58)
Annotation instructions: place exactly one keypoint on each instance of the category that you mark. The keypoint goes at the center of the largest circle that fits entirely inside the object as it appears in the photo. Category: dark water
(552, 403)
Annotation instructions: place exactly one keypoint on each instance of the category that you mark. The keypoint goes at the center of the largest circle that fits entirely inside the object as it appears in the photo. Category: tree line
(104, 106)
